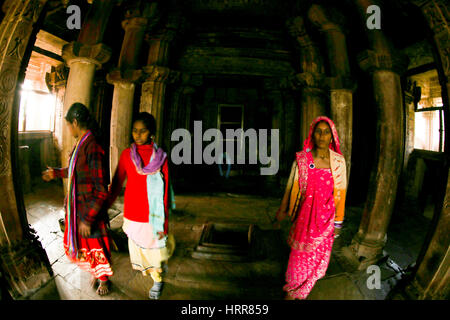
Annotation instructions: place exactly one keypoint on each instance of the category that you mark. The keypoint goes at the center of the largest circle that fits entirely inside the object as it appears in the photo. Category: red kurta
(136, 201)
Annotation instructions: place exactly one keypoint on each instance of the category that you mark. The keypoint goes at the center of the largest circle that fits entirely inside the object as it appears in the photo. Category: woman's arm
(165, 172)
(340, 195)
(282, 211)
(61, 172)
(94, 158)
(117, 182)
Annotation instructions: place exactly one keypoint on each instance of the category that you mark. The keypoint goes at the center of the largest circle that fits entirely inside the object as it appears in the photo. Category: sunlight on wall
(426, 135)
(37, 109)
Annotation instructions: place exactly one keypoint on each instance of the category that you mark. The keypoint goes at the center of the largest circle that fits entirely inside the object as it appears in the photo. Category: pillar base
(362, 253)
(26, 267)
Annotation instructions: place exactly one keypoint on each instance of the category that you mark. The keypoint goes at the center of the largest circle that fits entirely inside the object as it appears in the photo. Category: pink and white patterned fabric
(312, 234)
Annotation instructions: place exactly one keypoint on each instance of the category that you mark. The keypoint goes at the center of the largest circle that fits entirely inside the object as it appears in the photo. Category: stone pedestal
(366, 247)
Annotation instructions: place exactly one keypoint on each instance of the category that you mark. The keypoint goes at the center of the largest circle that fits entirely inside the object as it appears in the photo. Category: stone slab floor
(194, 279)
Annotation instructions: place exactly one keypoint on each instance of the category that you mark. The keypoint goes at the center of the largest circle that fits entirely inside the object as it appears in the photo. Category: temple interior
(255, 65)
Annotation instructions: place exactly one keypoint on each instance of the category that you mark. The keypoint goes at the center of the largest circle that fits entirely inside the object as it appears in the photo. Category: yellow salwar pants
(150, 261)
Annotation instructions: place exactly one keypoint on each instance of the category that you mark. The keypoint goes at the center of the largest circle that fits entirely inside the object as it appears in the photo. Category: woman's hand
(48, 174)
(161, 235)
(337, 232)
(280, 216)
(84, 229)
(155, 172)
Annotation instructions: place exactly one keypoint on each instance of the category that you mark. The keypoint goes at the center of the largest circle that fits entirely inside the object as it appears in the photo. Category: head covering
(308, 144)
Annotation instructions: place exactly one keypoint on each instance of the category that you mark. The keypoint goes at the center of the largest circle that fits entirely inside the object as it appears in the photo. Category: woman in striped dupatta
(314, 199)
(86, 239)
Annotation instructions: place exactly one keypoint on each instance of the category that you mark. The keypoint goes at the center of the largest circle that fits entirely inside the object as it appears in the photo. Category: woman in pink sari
(315, 200)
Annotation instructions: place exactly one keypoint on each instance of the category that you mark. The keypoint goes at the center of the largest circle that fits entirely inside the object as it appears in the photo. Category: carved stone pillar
(314, 98)
(124, 80)
(274, 93)
(82, 60)
(22, 259)
(179, 114)
(341, 88)
(157, 76)
(366, 247)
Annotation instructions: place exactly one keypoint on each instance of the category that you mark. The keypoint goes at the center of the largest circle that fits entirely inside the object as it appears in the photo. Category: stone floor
(194, 279)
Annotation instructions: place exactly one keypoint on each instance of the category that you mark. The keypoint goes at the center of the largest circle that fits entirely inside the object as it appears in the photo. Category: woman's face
(141, 135)
(73, 128)
(322, 135)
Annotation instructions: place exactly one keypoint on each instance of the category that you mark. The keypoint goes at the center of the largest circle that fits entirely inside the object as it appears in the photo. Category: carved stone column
(367, 245)
(274, 93)
(82, 60)
(124, 79)
(22, 259)
(179, 114)
(310, 80)
(341, 87)
(157, 76)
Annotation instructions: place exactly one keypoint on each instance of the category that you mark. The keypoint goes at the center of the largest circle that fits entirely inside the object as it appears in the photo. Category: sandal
(155, 291)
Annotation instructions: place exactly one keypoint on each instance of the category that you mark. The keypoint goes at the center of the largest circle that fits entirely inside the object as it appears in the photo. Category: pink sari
(312, 234)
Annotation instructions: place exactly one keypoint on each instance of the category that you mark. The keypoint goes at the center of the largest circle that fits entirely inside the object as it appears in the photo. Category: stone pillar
(157, 76)
(82, 60)
(124, 79)
(23, 261)
(179, 114)
(366, 247)
(314, 99)
(341, 87)
(272, 87)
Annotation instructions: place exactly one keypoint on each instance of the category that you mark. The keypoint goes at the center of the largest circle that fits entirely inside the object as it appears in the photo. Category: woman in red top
(86, 239)
(146, 203)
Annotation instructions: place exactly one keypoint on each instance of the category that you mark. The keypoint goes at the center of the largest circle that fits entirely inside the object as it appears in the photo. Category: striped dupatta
(71, 205)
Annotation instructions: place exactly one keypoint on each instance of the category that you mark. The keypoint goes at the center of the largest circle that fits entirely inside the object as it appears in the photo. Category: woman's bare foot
(93, 282)
(103, 288)
(288, 297)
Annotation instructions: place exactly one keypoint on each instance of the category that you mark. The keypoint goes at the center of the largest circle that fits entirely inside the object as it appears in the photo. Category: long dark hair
(148, 120)
(79, 112)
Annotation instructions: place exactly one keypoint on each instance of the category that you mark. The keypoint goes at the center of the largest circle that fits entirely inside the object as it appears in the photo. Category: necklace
(322, 157)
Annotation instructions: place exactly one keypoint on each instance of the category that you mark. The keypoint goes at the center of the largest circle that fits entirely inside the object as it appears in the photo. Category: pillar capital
(371, 61)
(296, 28)
(124, 76)
(57, 77)
(95, 54)
(134, 23)
(167, 35)
(323, 20)
(341, 82)
(304, 80)
(155, 73)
